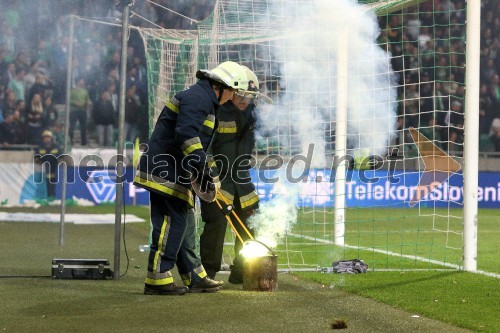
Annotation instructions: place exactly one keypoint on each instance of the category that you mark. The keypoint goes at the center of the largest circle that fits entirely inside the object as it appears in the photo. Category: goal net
(347, 81)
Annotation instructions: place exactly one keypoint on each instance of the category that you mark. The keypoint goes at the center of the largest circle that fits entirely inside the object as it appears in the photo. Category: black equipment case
(83, 269)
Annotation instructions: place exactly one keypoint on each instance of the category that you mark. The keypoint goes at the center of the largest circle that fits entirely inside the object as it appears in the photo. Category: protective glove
(205, 178)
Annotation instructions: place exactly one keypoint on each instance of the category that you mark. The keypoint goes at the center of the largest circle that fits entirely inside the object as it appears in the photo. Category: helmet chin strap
(221, 91)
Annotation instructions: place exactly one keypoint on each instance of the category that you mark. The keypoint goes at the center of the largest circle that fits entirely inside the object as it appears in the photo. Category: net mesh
(405, 68)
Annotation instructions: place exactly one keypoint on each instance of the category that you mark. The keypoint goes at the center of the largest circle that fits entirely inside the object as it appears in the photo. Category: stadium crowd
(428, 52)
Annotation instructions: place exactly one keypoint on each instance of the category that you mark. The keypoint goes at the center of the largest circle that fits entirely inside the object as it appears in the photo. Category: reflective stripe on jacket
(233, 146)
(180, 139)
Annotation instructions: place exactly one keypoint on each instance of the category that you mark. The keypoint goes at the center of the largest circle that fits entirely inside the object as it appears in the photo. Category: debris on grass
(338, 324)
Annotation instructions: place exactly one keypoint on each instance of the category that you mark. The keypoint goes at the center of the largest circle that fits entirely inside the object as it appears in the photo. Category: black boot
(206, 285)
(210, 274)
(167, 289)
(236, 276)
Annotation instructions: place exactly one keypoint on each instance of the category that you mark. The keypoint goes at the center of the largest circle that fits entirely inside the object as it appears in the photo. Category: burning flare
(254, 249)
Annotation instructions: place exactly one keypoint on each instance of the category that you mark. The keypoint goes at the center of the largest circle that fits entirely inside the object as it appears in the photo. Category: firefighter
(48, 154)
(175, 152)
(232, 149)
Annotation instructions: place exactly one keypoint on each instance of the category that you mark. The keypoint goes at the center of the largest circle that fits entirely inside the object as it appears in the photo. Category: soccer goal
(367, 96)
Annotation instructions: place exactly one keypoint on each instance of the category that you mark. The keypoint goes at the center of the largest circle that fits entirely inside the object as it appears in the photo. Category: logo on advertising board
(102, 185)
(439, 167)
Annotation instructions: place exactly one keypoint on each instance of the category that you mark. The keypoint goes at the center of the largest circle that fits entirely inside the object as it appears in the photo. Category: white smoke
(276, 217)
(317, 32)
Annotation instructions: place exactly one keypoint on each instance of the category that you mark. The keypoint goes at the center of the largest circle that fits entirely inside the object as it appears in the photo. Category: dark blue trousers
(173, 242)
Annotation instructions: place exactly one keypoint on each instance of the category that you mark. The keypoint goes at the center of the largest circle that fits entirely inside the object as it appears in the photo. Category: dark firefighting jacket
(179, 141)
(232, 148)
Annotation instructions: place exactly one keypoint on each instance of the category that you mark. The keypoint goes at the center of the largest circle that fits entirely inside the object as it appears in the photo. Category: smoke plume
(276, 217)
(305, 111)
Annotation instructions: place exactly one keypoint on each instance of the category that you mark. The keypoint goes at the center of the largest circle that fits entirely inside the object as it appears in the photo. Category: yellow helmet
(253, 81)
(252, 90)
(46, 133)
(228, 73)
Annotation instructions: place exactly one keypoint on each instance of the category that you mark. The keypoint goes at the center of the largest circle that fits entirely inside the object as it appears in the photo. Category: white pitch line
(70, 218)
(407, 256)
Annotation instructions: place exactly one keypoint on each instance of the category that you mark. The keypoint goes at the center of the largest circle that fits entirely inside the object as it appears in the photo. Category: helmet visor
(248, 94)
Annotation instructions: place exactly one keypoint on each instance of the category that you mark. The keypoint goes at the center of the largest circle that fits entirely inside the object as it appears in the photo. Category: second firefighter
(231, 149)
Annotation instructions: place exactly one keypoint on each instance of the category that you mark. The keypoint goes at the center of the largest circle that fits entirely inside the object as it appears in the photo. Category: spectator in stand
(132, 109)
(114, 62)
(423, 38)
(34, 120)
(411, 60)
(439, 97)
(113, 96)
(43, 51)
(455, 123)
(130, 55)
(9, 103)
(3, 59)
(79, 102)
(22, 61)
(495, 134)
(19, 125)
(17, 84)
(486, 110)
(30, 78)
(426, 91)
(413, 27)
(131, 79)
(3, 68)
(40, 87)
(394, 29)
(141, 79)
(441, 72)
(50, 113)
(459, 74)
(89, 72)
(9, 40)
(431, 131)
(59, 133)
(9, 74)
(494, 88)
(111, 79)
(12, 127)
(112, 48)
(60, 55)
(104, 119)
(488, 69)
(20, 106)
(411, 105)
(7, 131)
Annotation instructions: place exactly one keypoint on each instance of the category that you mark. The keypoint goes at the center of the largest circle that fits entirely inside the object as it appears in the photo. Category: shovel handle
(229, 221)
(236, 216)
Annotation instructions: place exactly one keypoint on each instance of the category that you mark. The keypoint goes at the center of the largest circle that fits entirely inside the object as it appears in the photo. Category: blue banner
(99, 186)
(364, 188)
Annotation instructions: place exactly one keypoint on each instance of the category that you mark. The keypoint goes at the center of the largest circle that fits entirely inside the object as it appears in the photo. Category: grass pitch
(372, 302)
(391, 238)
